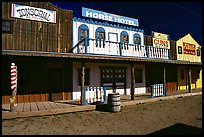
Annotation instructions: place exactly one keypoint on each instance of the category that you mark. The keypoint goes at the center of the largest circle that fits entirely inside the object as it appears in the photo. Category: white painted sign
(160, 35)
(86, 12)
(33, 13)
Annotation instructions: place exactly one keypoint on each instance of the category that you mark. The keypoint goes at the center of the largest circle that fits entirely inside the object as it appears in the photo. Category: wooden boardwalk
(49, 108)
(38, 106)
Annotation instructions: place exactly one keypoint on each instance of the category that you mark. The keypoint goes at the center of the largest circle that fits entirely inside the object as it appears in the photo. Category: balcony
(93, 46)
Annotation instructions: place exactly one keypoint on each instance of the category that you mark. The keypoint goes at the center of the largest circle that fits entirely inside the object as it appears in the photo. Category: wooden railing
(94, 95)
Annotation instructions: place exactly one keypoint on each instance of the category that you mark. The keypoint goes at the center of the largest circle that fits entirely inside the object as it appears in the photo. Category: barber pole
(13, 76)
(13, 86)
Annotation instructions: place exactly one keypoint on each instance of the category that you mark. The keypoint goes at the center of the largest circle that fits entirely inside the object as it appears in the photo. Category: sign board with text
(33, 13)
(90, 13)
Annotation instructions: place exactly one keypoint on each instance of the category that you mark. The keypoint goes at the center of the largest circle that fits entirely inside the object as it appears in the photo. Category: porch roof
(89, 57)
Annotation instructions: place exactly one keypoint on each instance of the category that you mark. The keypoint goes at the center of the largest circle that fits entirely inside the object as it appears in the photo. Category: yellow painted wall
(187, 57)
(196, 78)
(182, 82)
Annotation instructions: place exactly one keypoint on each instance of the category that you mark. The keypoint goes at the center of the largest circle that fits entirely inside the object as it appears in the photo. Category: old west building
(30, 28)
(60, 60)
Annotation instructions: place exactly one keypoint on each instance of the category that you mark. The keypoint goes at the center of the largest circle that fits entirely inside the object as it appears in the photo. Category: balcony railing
(93, 46)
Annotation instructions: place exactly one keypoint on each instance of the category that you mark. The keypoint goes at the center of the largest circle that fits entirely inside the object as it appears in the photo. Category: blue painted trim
(74, 19)
(99, 29)
(136, 35)
(105, 101)
(123, 33)
(152, 34)
(83, 27)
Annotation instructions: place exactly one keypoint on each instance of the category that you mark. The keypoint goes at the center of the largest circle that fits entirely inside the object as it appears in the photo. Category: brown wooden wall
(35, 35)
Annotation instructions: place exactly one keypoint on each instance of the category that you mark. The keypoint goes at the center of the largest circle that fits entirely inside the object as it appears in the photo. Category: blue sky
(176, 19)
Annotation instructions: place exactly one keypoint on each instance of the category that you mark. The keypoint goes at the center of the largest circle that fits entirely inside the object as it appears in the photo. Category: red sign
(189, 48)
(13, 76)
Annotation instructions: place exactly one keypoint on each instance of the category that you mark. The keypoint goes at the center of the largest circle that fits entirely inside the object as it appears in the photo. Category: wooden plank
(42, 97)
(26, 107)
(33, 106)
(82, 82)
(40, 106)
(37, 97)
(53, 105)
(47, 105)
(19, 107)
(32, 98)
(132, 81)
(189, 80)
(26, 98)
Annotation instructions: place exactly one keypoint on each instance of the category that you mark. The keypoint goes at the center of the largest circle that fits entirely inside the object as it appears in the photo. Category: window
(138, 75)
(198, 52)
(101, 37)
(179, 50)
(182, 74)
(83, 34)
(86, 77)
(137, 39)
(125, 38)
(6, 26)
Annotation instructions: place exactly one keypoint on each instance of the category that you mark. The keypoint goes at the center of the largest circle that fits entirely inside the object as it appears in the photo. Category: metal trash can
(114, 102)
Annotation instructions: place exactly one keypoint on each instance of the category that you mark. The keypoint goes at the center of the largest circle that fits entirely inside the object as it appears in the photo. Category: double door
(114, 78)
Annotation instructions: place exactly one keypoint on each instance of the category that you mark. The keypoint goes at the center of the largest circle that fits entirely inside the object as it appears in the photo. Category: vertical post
(86, 44)
(13, 86)
(189, 80)
(82, 82)
(164, 82)
(120, 48)
(132, 81)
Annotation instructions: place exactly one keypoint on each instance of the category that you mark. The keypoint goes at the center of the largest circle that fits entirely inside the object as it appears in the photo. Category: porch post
(132, 81)
(82, 82)
(164, 81)
(189, 80)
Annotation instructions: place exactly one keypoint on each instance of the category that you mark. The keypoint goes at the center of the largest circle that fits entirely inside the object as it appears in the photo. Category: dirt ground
(175, 116)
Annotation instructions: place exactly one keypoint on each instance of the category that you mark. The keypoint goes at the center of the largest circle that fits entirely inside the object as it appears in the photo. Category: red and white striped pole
(13, 86)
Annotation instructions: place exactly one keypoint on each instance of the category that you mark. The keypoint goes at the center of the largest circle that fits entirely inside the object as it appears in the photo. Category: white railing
(93, 46)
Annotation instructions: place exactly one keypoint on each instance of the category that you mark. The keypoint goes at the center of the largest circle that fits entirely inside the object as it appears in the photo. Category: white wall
(93, 27)
(95, 79)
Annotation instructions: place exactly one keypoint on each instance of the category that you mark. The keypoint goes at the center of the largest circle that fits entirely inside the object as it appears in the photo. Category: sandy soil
(174, 116)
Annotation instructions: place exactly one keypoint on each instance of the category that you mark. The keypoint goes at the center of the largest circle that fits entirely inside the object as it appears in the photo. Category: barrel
(114, 102)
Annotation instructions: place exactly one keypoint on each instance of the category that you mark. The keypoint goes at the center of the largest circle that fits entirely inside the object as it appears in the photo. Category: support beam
(164, 81)
(132, 81)
(189, 80)
(82, 82)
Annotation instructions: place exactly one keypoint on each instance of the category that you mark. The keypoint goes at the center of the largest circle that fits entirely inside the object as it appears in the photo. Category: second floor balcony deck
(94, 46)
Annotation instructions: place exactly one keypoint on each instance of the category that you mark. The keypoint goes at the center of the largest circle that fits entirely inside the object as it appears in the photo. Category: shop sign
(160, 35)
(189, 48)
(161, 43)
(90, 13)
(33, 13)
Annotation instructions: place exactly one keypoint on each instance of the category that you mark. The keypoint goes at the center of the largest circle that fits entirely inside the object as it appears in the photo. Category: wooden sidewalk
(49, 108)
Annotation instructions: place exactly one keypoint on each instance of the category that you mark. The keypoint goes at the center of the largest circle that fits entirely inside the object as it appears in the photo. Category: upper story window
(100, 37)
(6, 26)
(83, 32)
(124, 37)
(137, 39)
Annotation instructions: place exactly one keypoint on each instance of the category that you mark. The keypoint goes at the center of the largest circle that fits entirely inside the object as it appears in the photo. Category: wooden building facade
(36, 27)
(59, 57)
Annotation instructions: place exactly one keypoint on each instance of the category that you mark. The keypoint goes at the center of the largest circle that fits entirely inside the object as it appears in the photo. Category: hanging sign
(33, 13)
(86, 12)
(189, 48)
